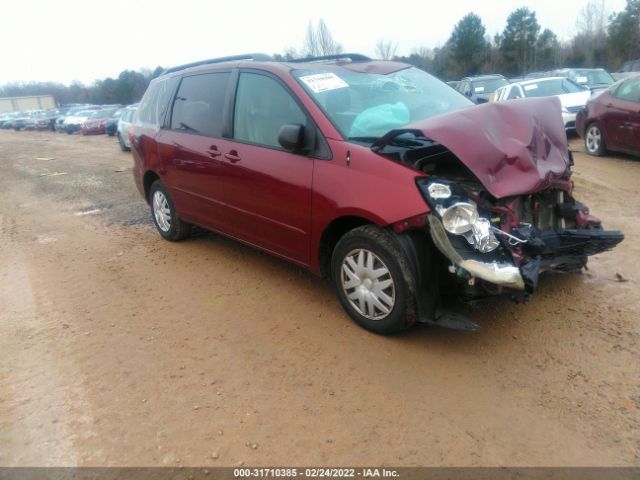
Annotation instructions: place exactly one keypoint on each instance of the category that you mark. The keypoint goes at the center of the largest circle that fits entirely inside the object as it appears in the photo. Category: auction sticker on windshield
(323, 82)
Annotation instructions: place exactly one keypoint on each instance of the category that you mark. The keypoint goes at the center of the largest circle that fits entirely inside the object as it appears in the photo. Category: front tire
(594, 140)
(164, 214)
(373, 280)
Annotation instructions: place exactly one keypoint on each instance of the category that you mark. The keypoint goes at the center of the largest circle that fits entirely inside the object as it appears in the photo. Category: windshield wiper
(392, 136)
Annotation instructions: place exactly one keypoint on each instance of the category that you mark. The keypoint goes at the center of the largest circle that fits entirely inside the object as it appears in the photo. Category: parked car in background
(19, 121)
(73, 123)
(124, 124)
(628, 69)
(60, 121)
(611, 120)
(372, 173)
(42, 120)
(479, 89)
(112, 123)
(97, 122)
(573, 97)
(31, 123)
(532, 75)
(6, 119)
(453, 83)
(596, 79)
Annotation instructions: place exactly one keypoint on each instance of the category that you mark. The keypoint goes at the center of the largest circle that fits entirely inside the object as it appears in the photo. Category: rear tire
(373, 280)
(594, 141)
(164, 214)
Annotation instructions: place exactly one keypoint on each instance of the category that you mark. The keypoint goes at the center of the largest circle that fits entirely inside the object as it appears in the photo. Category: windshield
(488, 86)
(592, 77)
(551, 87)
(365, 106)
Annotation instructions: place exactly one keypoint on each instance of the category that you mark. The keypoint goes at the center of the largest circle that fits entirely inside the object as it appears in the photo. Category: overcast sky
(68, 40)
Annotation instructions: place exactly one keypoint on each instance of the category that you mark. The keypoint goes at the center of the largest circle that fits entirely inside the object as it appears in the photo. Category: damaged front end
(495, 245)
(501, 197)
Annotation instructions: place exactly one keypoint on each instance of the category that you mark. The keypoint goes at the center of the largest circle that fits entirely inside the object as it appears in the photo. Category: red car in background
(611, 120)
(97, 123)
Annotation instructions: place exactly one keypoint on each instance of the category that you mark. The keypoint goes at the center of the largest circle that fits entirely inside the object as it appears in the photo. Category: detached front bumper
(563, 250)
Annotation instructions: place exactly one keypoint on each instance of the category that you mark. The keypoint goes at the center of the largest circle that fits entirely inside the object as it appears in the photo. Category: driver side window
(262, 107)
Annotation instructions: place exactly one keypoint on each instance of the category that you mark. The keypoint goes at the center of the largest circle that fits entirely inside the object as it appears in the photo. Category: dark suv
(479, 89)
(372, 173)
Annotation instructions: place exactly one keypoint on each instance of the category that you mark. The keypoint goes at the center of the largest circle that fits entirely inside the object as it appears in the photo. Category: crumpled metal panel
(515, 147)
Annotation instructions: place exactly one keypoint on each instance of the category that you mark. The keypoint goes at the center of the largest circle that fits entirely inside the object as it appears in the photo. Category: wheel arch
(332, 234)
(147, 180)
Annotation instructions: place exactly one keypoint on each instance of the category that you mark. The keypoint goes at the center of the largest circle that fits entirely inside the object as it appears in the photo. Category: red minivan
(372, 173)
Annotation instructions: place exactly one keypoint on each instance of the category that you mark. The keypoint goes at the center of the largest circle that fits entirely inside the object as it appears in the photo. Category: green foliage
(468, 45)
(547, 47)
(519, 39)
(127, 88)
(624, 33)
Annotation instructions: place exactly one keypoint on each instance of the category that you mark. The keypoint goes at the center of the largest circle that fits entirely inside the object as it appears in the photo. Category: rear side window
(629, 90)
(155, 102)
(199, 104)
(262, 107)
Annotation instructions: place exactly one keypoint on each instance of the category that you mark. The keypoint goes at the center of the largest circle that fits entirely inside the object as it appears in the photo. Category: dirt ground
(119, 348)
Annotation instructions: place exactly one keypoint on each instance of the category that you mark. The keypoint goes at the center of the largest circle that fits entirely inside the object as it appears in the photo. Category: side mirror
(291, 137)
(296, 138)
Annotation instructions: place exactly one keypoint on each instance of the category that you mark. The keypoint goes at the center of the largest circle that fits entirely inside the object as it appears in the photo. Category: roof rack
(233, 58)
(354, 57)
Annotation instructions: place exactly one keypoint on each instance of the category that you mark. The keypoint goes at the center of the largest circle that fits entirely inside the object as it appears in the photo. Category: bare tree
(319, 42)
(592, 19)
(589, 42)
(311, 47)
(386, 50)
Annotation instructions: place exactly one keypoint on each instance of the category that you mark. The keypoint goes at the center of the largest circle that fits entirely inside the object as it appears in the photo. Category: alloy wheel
(161, 211)
(593, 139)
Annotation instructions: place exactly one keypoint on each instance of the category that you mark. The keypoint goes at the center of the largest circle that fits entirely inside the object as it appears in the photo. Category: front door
(269, 188)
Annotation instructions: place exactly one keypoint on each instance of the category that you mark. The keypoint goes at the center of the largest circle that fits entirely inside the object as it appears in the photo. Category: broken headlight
(460, 217)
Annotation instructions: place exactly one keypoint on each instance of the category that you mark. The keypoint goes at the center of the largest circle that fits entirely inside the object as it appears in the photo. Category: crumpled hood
(513, 148)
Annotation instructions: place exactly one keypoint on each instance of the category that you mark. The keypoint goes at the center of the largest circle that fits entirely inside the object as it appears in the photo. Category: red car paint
(513, 148)
(619, 119)
(274, 200)
(94, 126)
(283, 203)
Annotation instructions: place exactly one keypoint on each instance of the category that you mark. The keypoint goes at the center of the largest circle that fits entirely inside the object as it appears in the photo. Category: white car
(573, 97)
(72, 123)
(124, 124)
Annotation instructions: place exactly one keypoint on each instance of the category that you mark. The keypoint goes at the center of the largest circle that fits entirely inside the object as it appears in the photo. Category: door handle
(232, 156)
(213, 151)
(609, 105)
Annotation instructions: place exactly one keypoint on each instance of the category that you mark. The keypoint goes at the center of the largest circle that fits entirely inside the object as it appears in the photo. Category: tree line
(128, 87)
(601, 40)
